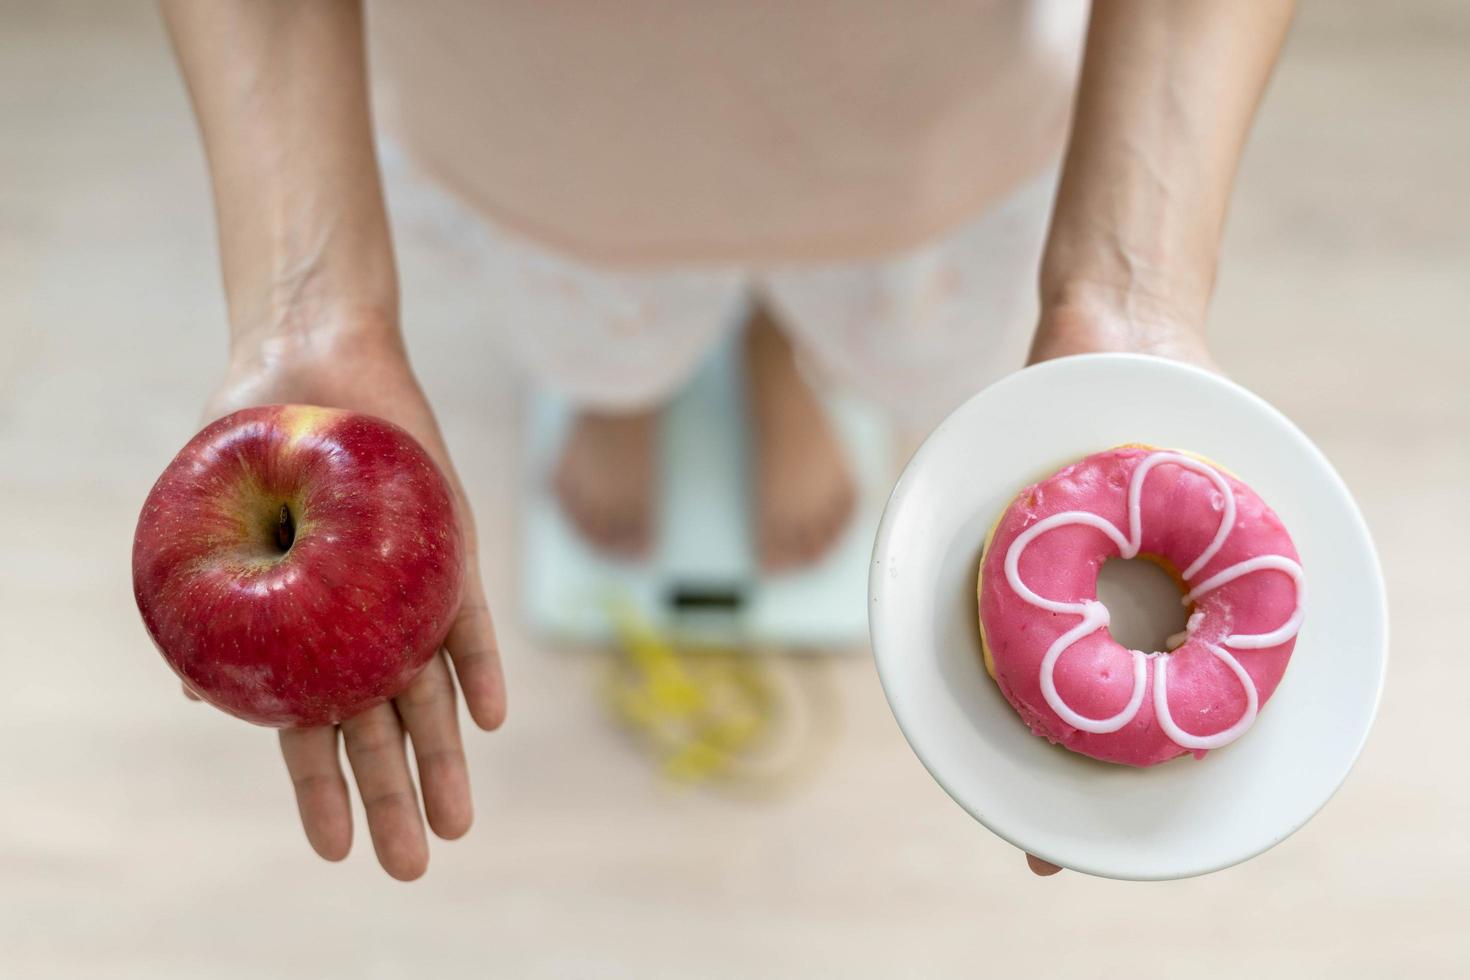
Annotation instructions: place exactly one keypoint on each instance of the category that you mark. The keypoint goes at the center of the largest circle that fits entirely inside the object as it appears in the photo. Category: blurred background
(142, 835)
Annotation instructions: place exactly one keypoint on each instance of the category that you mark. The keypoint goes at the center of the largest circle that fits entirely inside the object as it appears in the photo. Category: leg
(804, 494)
(616, 344)
(605, 479)
(920, 331)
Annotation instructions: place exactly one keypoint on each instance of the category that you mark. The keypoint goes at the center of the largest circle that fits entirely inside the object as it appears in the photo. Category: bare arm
(280, 91)
(1168, 92)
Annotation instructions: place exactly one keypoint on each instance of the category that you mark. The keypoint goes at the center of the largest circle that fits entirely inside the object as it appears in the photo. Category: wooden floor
(144, 836)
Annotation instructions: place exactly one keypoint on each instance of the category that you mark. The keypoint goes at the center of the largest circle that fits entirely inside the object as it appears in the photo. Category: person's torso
(729, 130)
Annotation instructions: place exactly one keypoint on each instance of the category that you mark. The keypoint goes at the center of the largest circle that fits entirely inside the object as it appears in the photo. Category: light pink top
(655, 131)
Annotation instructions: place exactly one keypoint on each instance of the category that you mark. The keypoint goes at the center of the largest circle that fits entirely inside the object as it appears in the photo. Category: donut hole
(1142, 596)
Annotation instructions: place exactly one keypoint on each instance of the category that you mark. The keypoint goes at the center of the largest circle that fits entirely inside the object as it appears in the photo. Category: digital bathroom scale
(702, 581)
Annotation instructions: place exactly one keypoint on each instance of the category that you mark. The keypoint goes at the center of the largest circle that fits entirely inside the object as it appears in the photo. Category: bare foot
(605, 480)
(804, 493)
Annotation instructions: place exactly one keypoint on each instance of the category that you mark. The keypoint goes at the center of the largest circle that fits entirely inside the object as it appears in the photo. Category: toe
(622, 535)
(811, 541)
(841, 514)
(774, 552)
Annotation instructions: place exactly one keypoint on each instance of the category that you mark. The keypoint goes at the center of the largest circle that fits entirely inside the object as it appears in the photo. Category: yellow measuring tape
(711, 712)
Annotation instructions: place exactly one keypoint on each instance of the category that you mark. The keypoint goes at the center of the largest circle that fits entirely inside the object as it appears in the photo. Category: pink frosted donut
(1045, 634)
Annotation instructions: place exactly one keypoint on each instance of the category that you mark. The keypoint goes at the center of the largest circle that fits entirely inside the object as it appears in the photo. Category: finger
(431, 719)
(375, 749)
(321, 792)
(1044, 869)
(471, 645)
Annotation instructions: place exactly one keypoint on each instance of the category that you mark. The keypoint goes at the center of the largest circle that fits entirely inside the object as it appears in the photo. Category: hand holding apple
(297, 565)
(360, 365)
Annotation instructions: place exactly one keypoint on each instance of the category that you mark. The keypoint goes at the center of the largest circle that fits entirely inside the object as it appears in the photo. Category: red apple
(296, 565)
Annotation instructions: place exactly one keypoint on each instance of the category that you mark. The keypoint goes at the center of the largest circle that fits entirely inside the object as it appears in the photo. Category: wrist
(317, 332)
(1168, 276)
(1131, 308)
(1096, 317)
(305, 270)
(1129, 248)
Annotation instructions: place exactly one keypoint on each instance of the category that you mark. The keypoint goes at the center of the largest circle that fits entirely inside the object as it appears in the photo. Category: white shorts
(918, 331)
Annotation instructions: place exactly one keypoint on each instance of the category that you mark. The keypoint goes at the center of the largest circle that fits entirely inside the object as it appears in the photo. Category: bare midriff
(750, 131)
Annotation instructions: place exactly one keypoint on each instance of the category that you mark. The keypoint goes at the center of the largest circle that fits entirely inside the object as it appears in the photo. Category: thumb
(1044, 869)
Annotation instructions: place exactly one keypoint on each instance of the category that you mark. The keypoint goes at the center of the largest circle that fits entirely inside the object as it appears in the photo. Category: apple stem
(285, 529)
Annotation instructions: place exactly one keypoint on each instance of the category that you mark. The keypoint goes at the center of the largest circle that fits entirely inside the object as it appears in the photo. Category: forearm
(280, 92)
(1166, 99)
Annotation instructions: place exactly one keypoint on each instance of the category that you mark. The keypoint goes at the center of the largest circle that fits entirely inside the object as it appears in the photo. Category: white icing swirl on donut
(1095, 615)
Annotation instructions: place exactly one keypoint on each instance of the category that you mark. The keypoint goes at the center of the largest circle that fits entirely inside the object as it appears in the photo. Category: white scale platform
(702, 581)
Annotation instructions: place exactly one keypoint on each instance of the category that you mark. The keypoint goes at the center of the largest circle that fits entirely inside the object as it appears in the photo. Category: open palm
(374, 377)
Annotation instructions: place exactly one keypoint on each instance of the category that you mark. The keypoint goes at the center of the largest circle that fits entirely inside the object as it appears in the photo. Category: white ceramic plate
(1184, 817)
